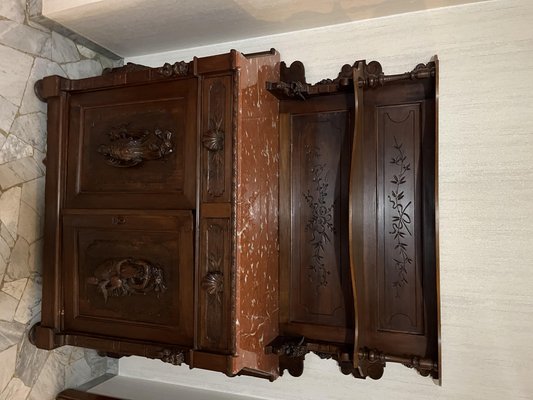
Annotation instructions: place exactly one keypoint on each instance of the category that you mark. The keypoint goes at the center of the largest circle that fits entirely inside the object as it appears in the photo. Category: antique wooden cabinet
(226, 214)
(162, 213)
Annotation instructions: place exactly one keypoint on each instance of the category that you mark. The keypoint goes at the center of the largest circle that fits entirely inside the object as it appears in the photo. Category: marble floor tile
(10, 334)
(7, 361)
(15, 390)
(9, 209)
(16, 288)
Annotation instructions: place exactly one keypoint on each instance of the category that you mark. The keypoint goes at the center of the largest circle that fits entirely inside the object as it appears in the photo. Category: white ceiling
(135, 27)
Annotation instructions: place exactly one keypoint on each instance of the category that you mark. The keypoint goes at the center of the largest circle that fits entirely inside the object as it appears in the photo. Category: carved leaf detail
(320, 223)
(402, 220)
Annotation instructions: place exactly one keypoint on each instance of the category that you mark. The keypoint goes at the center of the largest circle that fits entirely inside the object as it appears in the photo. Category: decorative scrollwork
(127, 150)
(320, 223)
(371, 363)
(293, 349)
(180, 68)
(174, 357)
(402, 220)
(127, 276)
(129, 67)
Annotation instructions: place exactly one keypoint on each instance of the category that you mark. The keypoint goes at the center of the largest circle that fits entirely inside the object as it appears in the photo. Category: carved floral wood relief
(402, 220)
(320, 223)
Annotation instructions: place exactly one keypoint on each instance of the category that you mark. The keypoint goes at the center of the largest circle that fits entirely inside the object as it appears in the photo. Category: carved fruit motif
(127, 150)
(127, 276)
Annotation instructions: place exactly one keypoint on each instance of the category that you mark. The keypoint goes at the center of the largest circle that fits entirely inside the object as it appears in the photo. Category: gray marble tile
(36, 257)
(15, 68)
(13, 10)
(30, 362)
(34, 7)
(3, 266)
(18, 266)
(31, 224)
(77, 354)
(8, 358)
(30, 303)
(112, 366)
(33, 194)
(64, 50)
(85, 52)
(8, 306)
(39, 157)
(6, 235)
(15, 288)
(8, 110)
(41, 68)
(14, 148)
(83, 69)
(5, 250)
(9, 209)
(78, 373)
(19, 171)
(63, 354)
(109, 63)
(32, 129)
(10, 333)
(15, 390)
(25, 38)
(50, 381)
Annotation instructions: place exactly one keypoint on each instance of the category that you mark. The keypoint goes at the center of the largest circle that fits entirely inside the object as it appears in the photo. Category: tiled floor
(27, 53)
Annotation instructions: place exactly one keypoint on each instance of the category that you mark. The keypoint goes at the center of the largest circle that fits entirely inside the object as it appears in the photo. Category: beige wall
(486, 198)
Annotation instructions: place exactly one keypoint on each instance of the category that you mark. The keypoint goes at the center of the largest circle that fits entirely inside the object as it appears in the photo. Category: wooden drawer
(133, 147)
(129, 275)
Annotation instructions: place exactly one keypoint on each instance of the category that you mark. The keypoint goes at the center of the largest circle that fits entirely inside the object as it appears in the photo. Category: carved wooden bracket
(174, 357)
(372, 363)
(180, 68)
(128, 150)
(127, 276)
(293, 86)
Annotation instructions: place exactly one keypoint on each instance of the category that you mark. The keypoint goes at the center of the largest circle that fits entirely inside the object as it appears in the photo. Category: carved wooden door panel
(315, 275)
(393, 230)
(129, 275)
(133, 147)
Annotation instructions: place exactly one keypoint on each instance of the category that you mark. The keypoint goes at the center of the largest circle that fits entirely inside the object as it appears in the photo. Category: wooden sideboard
(162, 213)
(226, 214)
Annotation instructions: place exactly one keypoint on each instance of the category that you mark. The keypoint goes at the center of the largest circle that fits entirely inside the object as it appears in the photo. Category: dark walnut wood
(358, 248)
(226, 214)
(154, 177)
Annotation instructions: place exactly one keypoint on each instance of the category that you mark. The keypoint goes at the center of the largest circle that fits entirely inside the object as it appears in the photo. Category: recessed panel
(130, 276)
(320, 286)
(132, 147)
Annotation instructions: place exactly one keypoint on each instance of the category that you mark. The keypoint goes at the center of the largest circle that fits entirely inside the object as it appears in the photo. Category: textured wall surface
(486, 187)
(27, 53)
